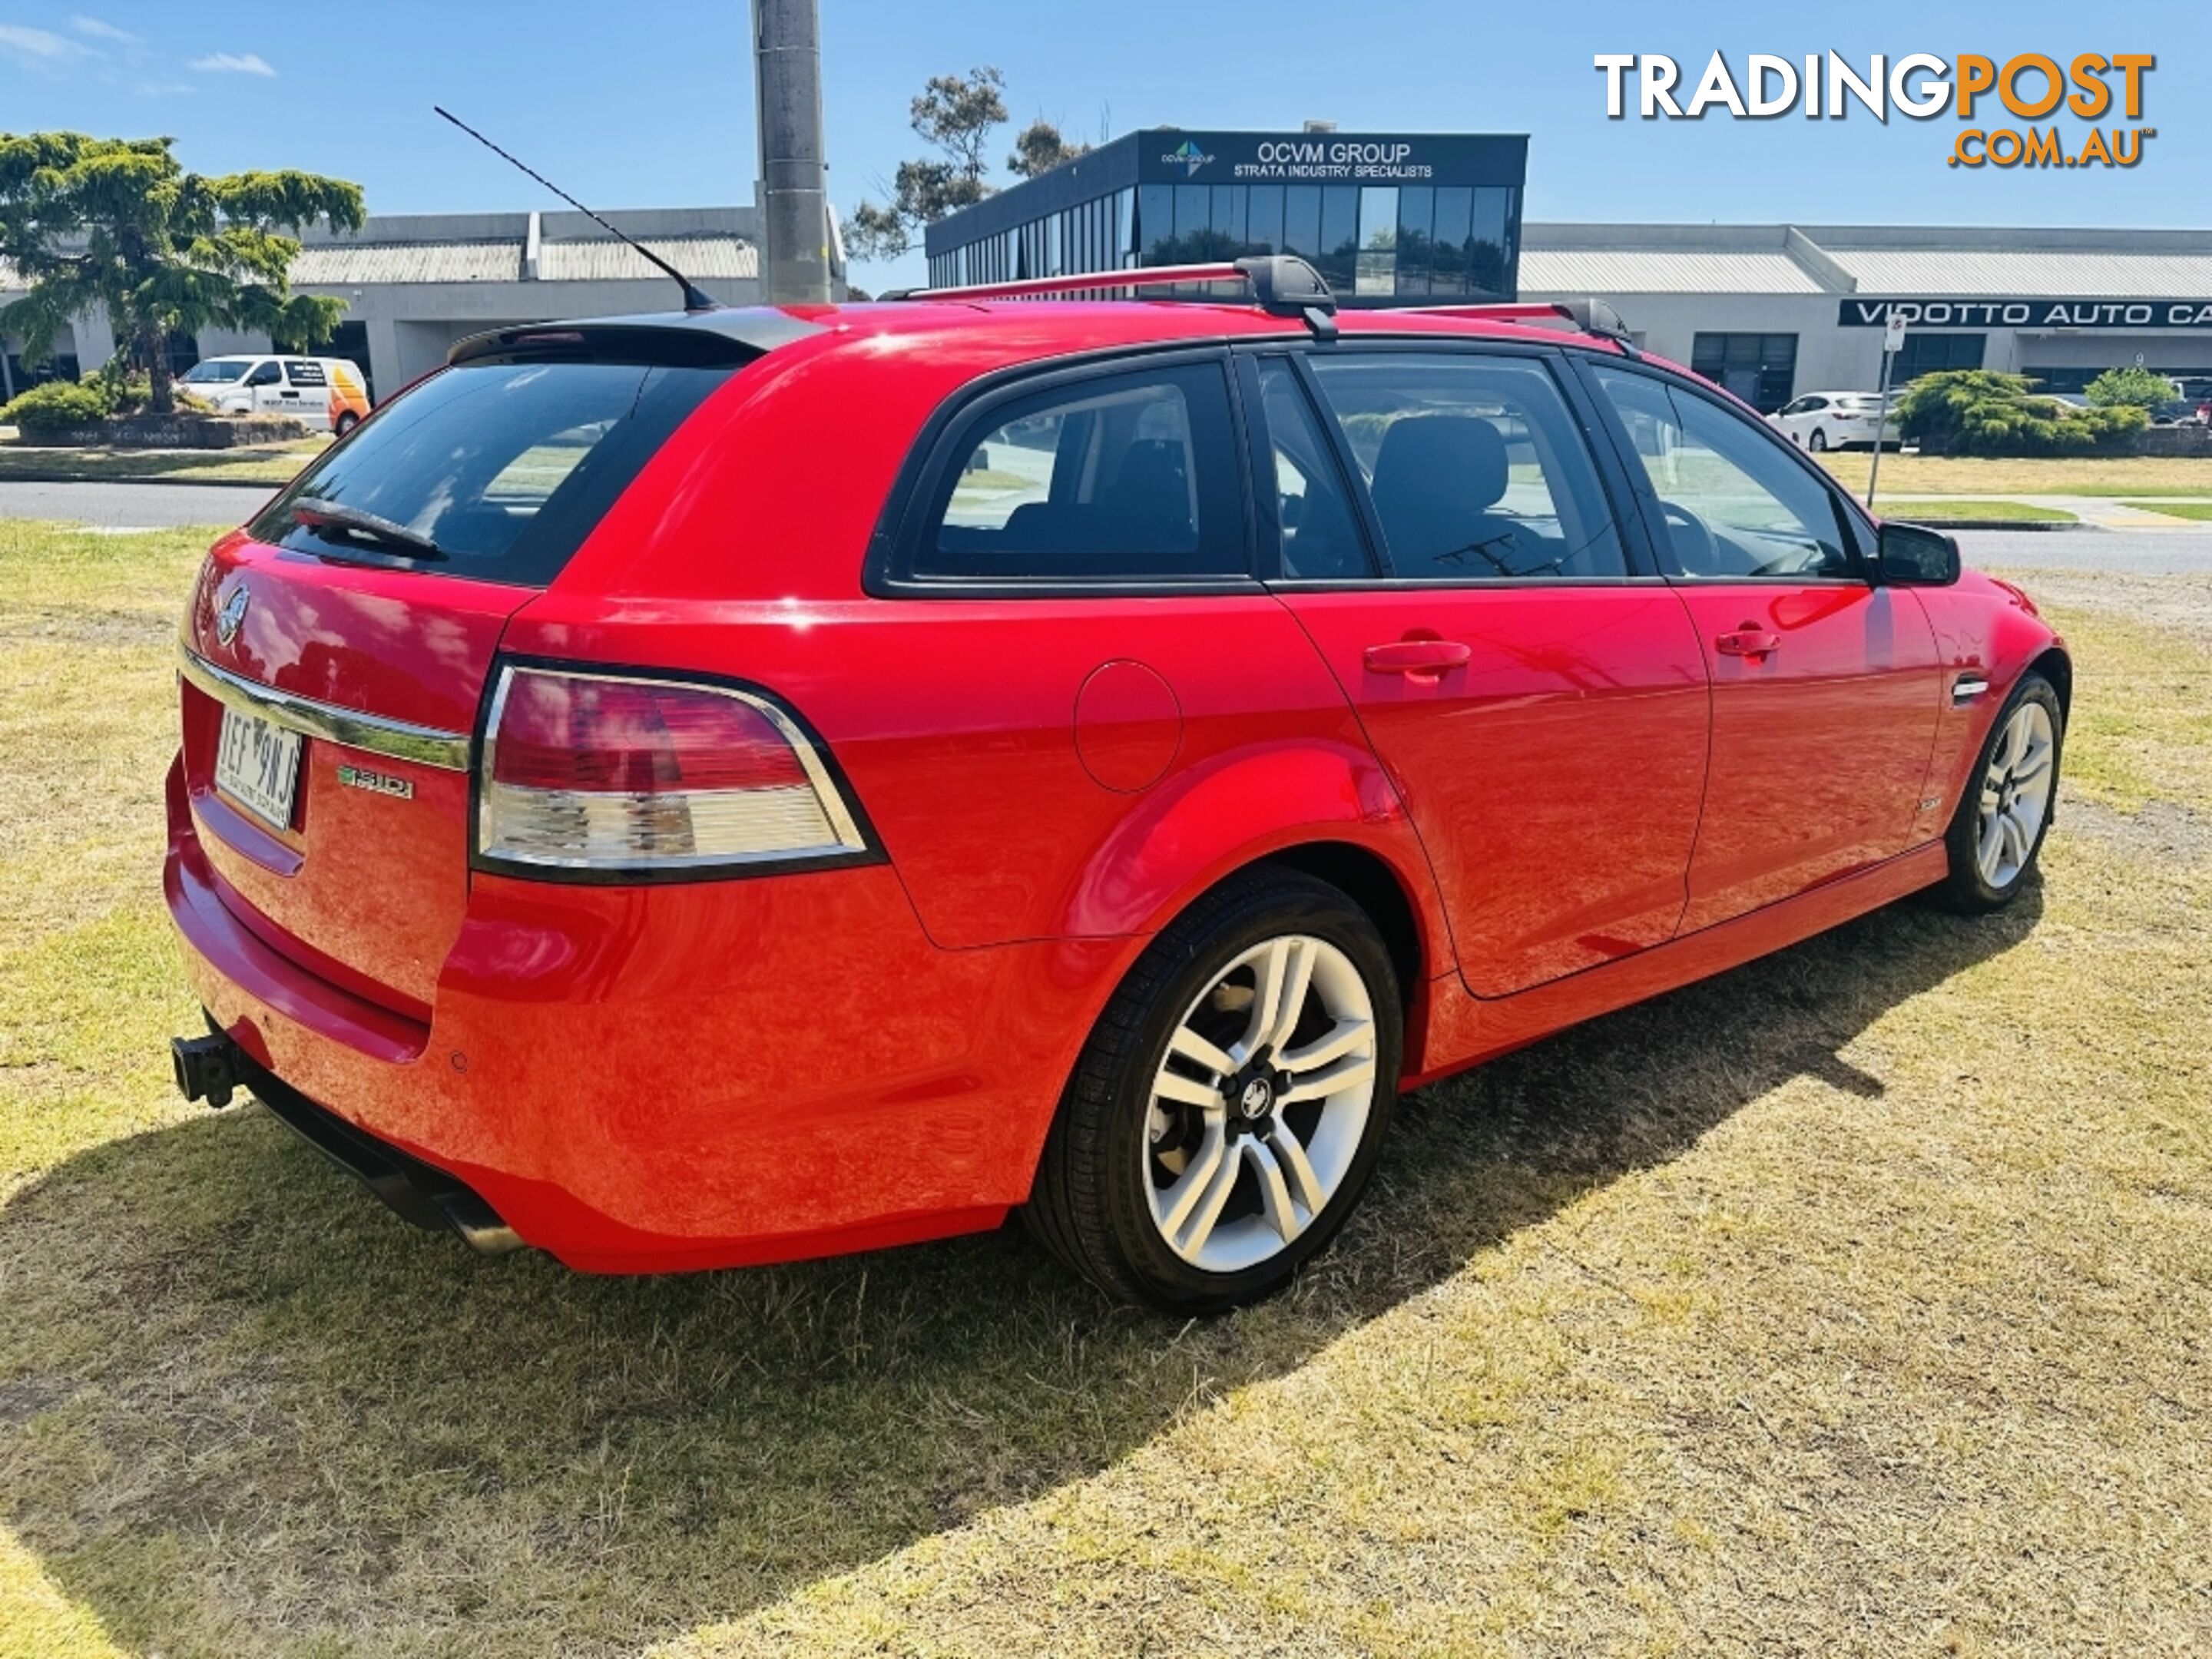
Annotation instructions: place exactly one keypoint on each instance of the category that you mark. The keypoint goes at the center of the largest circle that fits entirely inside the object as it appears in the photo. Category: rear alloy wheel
(1228, 1109)
(346, 422)
(1999, 825)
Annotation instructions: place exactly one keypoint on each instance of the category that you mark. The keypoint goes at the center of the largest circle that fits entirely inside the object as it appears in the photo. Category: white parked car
(327, 393)
(1833, 420)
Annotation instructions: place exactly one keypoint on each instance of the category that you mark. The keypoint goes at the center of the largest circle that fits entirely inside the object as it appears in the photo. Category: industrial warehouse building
(1774, 311)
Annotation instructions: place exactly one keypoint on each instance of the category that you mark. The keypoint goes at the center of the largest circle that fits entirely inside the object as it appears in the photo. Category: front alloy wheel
(1228, 1108)
(2005, 811)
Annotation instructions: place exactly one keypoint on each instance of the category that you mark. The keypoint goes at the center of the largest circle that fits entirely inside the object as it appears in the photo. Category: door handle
(1749, 641)
(1422, 661)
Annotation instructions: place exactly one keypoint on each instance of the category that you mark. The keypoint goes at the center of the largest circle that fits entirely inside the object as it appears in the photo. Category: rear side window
(1475, 466)
(495, 470)
(1130, 476)
(304, 374)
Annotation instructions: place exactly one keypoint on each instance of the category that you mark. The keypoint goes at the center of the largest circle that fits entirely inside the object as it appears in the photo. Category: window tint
(1130, 476)
(302, 373)
(1320, 533)
(264, 374)
(1734, 504)
(505, 467)
(1475, 466)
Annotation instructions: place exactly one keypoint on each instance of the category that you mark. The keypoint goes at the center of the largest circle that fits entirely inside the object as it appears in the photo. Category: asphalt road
(131, 505)
(2130, 552)
(142, 505)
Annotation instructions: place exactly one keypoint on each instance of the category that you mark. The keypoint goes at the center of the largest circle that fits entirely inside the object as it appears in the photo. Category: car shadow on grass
(243, 1410)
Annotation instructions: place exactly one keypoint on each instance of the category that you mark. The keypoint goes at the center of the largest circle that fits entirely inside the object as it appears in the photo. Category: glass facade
(1928, 354)
(1760, 369)
(1092, 235)
(1388, 220)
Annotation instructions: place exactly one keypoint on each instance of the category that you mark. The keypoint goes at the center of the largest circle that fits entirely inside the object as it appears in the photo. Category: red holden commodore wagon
(692, 790)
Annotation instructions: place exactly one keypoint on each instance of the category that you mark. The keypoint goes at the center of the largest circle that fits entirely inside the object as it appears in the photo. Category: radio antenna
(695, 298)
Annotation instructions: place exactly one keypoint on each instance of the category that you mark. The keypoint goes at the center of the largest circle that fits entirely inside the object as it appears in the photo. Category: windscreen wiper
(336, 521)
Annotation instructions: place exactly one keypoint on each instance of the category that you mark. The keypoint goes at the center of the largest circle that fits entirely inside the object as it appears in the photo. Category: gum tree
(117, 225)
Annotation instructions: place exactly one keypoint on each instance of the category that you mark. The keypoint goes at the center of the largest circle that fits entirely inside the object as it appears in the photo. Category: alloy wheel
(1261, 1103)
(2015, 794)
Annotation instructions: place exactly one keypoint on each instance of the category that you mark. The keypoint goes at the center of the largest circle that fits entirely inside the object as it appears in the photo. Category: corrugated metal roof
(1657, 270)
(2026, 272)
(598, 260)
(346, 265)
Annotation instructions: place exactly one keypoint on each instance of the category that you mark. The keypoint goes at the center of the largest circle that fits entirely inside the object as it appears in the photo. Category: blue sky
(632, 106)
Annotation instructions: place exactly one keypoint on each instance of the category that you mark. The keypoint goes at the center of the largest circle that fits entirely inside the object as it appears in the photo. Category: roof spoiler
(1282, 284)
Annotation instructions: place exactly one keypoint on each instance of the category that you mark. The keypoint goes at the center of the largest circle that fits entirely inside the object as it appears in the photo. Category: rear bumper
(418, 1193)
(639, 1080)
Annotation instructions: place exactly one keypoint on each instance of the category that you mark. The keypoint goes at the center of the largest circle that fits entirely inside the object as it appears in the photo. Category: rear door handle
(1425, 659)
(1749, 641)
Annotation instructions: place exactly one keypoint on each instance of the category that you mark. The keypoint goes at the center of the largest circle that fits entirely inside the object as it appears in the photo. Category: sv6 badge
(377, 783)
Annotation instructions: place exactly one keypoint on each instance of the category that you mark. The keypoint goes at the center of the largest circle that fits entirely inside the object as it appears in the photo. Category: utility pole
(792, 194)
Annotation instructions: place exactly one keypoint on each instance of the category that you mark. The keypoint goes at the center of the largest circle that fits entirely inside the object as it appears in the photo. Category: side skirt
(1464, 1031)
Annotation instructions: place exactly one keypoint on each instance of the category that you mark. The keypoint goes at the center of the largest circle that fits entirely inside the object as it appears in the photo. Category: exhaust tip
(205, 1068)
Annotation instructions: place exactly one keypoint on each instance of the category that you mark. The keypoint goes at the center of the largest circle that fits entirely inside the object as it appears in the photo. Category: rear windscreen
(502, 467)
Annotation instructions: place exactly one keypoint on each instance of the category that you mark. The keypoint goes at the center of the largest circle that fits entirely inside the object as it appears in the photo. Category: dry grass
(1856, 1303)
(1978, 511)
(1966, 474)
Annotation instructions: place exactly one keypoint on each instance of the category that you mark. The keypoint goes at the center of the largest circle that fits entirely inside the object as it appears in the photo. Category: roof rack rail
(1282, 284)
(1591, 316)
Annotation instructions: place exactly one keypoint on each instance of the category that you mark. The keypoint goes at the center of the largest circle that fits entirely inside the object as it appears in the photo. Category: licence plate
(257, 764)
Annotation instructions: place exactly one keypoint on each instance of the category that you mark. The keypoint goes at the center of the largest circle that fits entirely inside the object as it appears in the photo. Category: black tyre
(1817, 443)
(2006, 808)
(1226, 1114)
(346, 422)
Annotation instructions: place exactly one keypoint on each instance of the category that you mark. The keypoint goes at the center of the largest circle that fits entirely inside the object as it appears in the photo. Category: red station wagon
(694, 790)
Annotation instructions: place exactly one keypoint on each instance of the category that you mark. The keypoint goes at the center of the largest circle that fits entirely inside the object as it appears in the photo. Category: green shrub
(2130, 386)
(58, 405)
(1980, 411)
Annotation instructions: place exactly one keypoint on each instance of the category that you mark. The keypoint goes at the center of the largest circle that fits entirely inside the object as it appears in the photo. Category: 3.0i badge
(377, 783)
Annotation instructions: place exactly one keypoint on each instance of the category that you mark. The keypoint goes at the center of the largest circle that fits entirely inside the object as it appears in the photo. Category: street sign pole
(1892, 342)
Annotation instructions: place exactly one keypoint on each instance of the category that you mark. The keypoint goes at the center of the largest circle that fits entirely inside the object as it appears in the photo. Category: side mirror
(1911, 556)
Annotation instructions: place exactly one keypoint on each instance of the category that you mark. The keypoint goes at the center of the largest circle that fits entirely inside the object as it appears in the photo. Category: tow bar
(206, 1068)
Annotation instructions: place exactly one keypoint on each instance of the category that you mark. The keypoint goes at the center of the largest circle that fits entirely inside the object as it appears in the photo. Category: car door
(1826, 686)
(1447, 543)
(265, 384)
(306, 392)
(1792, 422)
(1073, 641)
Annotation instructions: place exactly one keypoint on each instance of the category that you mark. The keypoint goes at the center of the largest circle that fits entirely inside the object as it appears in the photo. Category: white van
(326, 393)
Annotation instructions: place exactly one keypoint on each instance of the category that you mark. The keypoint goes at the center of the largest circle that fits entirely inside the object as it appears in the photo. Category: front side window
(1475, 466)
(264, 374)
(1130, 475)
(1734, 506)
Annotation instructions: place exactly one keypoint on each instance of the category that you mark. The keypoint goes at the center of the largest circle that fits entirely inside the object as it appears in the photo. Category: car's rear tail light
(598, 774)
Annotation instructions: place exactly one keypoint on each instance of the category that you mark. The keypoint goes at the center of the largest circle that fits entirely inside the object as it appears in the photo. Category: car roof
(1050, 327)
